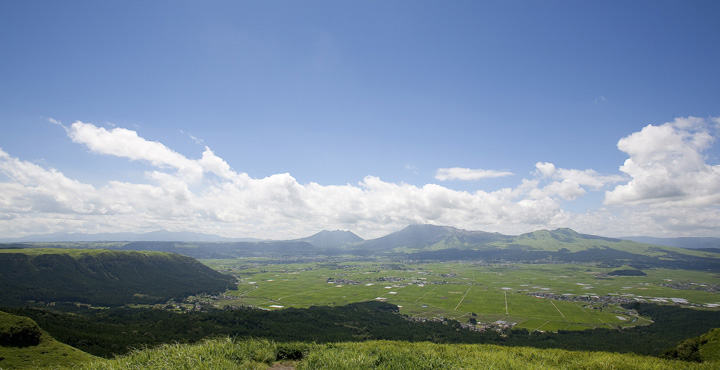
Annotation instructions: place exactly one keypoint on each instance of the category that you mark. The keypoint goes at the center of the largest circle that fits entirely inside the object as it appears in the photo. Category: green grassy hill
(563, 245)
(703, 348)
(225, 353)
(710, 345)
(102, 277)
(23, 345)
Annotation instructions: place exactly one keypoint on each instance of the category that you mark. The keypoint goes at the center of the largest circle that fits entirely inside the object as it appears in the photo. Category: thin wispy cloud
(414, 169)
(56, 122)
(467, 174)
(193, 137)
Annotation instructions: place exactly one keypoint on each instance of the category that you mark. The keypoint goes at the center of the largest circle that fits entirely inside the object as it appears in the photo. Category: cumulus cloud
(666, 166)
(569, 184)
(200, 194)
(666, 169)
(458, 173)
(37, 189)
(126, 143)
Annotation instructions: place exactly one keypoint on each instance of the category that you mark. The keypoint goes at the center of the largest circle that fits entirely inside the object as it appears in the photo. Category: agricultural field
(545, 297)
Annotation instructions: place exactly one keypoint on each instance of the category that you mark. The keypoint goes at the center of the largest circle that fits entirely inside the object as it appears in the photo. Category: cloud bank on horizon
(666, 183)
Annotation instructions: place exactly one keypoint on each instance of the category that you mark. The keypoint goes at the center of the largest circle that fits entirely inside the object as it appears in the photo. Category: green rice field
(546, 297)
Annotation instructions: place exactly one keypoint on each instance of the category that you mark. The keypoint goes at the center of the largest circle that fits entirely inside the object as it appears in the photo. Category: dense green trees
(18, 331)
(102, 277)
(115, 331)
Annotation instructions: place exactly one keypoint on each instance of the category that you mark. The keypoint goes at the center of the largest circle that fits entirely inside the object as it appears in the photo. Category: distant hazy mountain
(420, 237)
(686, 242)
(205, 250)
(161, 235)
(332, 239)
(430, 242)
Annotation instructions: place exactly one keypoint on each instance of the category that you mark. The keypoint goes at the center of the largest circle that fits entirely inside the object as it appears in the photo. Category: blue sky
(280, 119)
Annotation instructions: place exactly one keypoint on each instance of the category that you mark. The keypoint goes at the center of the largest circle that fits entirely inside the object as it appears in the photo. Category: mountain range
(160, 235)
(683, 242)
(431, 242)
(412, 236)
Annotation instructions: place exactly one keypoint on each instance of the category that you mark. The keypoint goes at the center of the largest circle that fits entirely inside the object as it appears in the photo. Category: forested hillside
(101, 277)
(115, 331)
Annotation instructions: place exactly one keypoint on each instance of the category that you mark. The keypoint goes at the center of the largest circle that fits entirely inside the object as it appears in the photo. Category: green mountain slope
(705, 348)
(426, 242)
(710, 345)
(102, 277)
(682, 242)
(23, 345)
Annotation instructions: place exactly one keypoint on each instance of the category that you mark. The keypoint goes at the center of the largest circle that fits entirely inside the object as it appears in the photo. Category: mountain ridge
(433, 242)
(421, 236)
(158, 235)
(103, 277)
(681, 242)
(189, 236)
(326, 239)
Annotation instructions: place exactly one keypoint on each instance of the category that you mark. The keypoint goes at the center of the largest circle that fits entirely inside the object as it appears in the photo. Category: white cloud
(36, 189)
(192, 137)
(276, 206)
(412, 169)
(126, 143)
(569, 183)
(56, 122)
(458, 173)
(667, 166)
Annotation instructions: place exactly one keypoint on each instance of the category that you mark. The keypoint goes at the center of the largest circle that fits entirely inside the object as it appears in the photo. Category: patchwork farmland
(545, 297)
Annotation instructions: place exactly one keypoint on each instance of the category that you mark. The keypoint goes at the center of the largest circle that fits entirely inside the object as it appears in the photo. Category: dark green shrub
(294, 351)
(23, 333)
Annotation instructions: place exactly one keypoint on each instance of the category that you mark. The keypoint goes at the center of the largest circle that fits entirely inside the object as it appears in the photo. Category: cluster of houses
(342, 281)
(681, 285)
(592, 300)
(499, 326)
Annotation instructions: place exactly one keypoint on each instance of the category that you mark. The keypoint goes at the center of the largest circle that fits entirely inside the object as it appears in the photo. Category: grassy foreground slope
(226, 353)
(703, 348)
(710, 345)
(23, 345)
(103, 277)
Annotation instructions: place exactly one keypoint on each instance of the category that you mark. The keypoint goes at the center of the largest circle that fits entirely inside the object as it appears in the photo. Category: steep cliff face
(100, 277)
